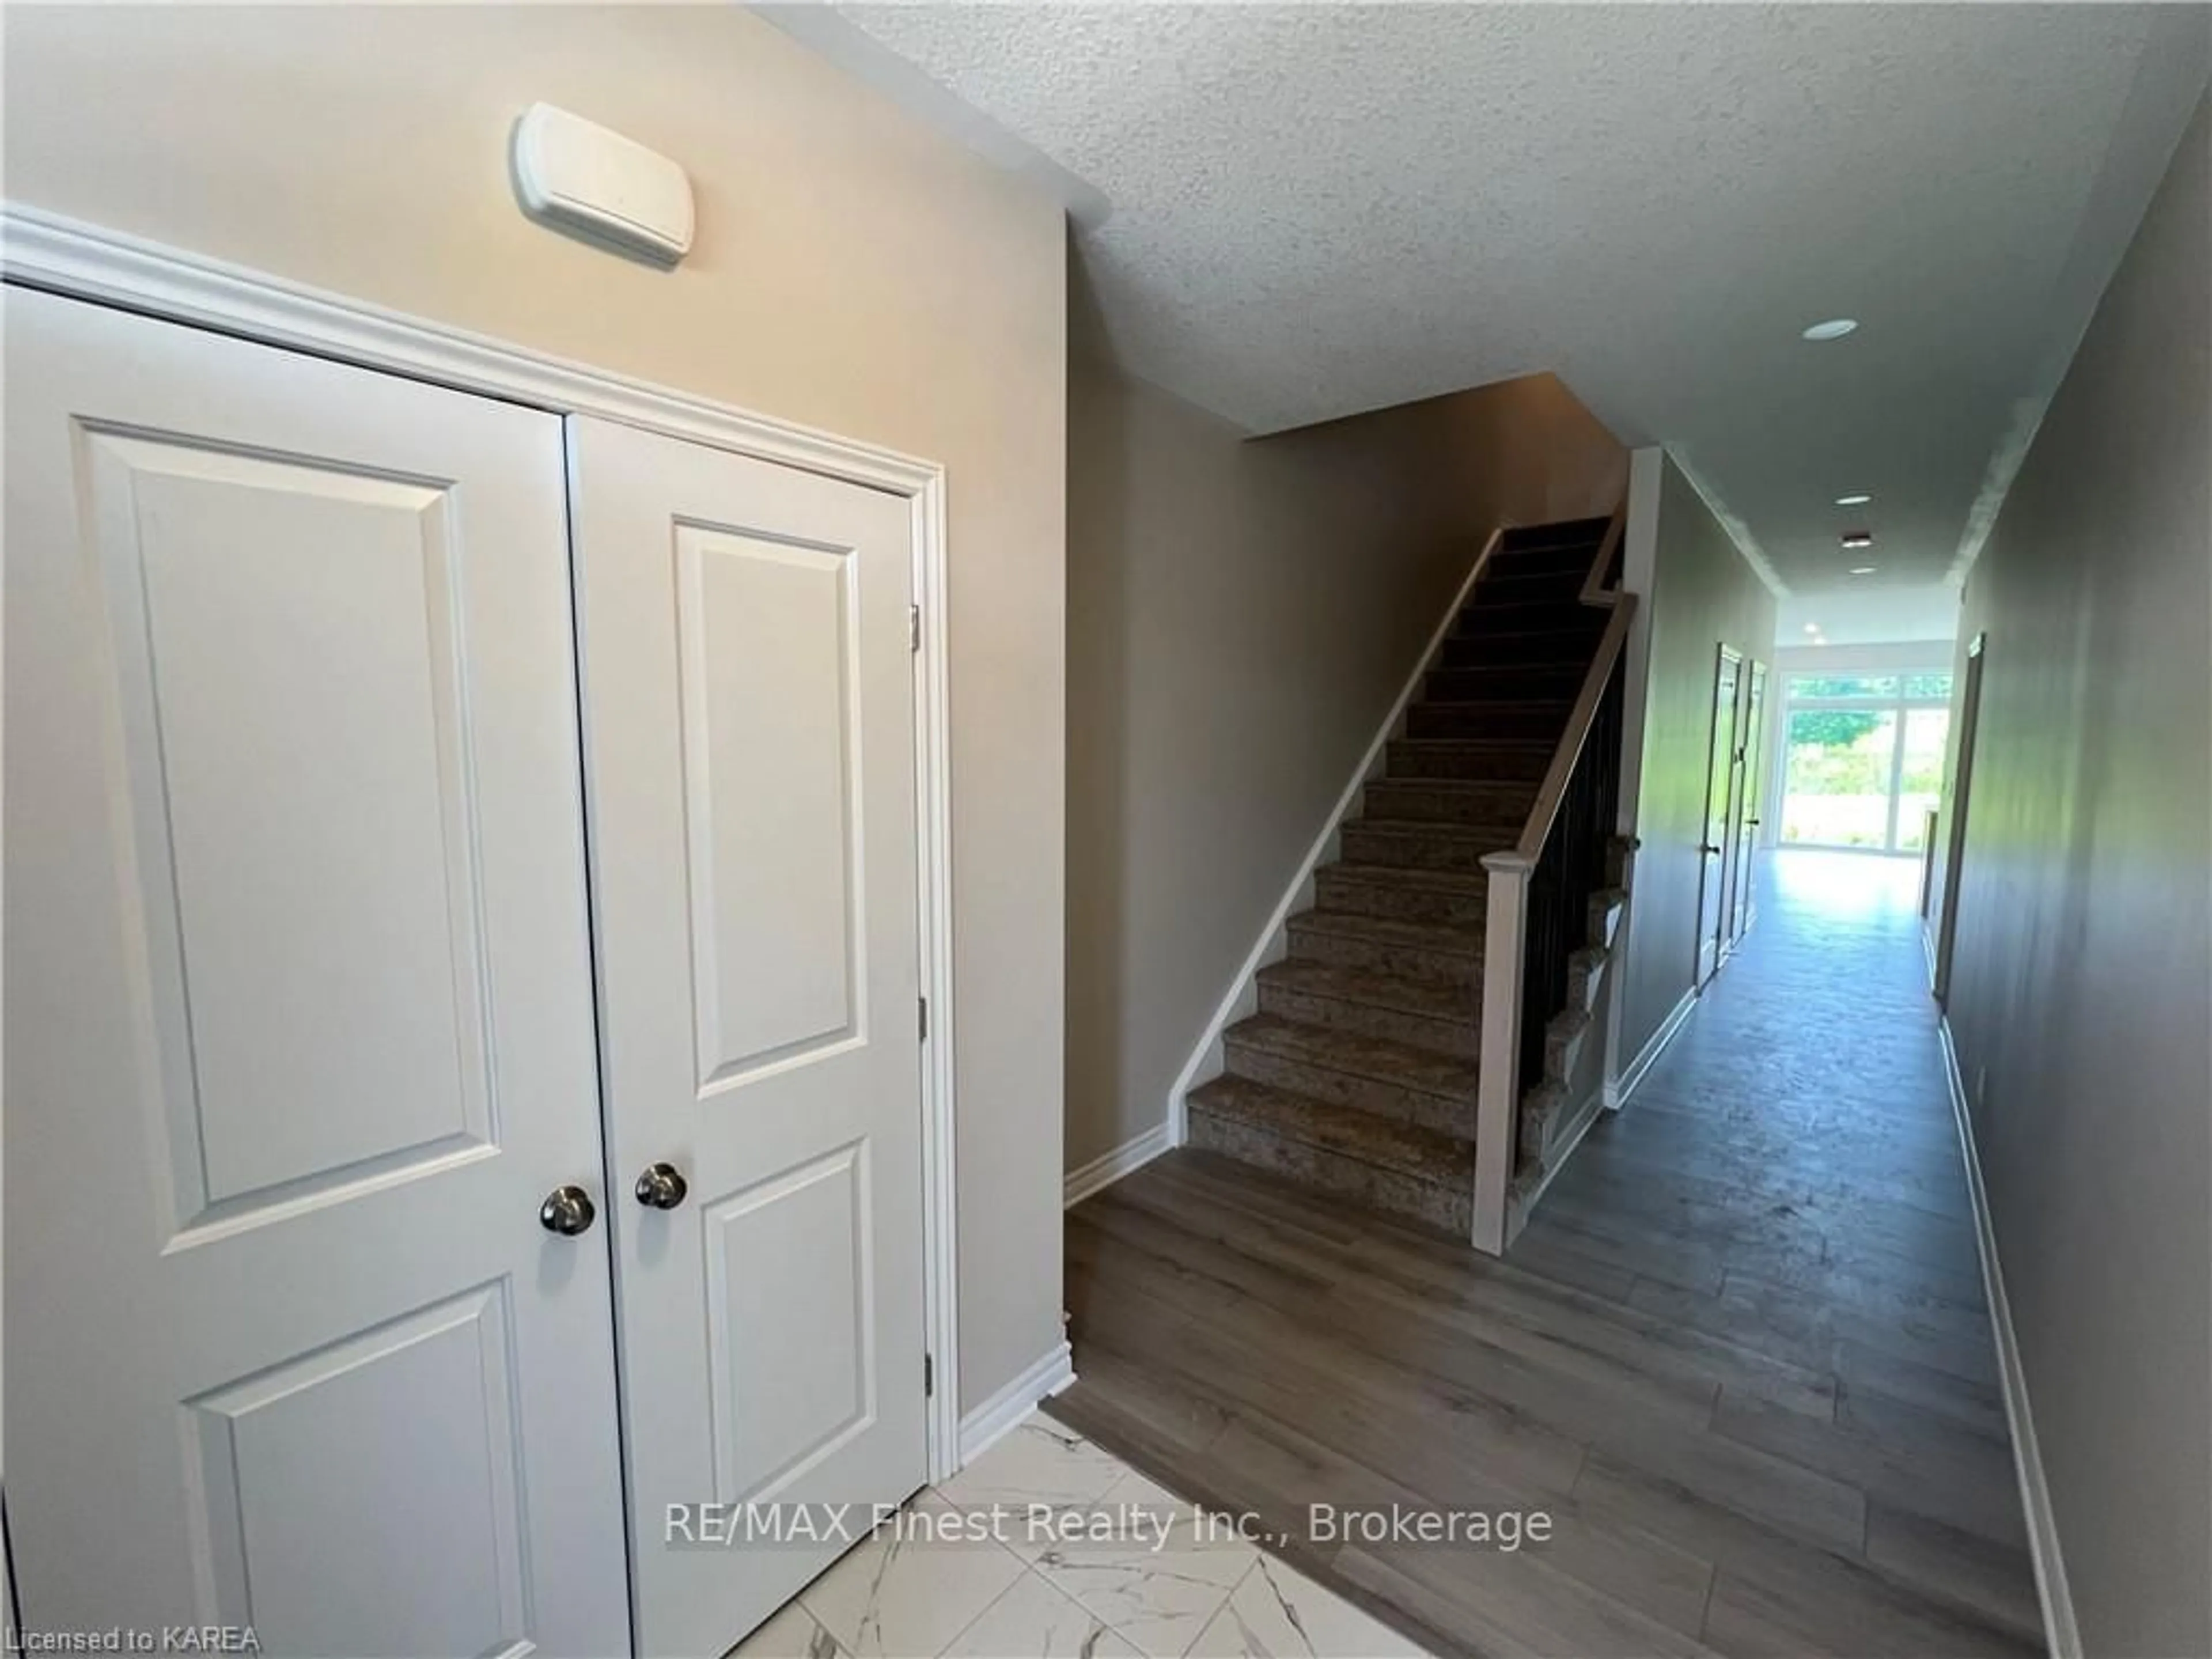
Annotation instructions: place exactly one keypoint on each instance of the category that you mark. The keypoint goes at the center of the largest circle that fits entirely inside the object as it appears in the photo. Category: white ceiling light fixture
(1855, 539)
(1834, 329)
(1853, 501)
(1811, 627)
(1863, 570)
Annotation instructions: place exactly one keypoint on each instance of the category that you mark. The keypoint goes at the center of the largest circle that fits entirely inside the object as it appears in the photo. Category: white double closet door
(311, 1087)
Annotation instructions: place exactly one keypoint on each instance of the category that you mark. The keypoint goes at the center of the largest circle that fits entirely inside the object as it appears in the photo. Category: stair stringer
(1208, 1058)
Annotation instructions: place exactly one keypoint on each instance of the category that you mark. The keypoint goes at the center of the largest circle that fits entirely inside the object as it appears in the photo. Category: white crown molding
(43, 250)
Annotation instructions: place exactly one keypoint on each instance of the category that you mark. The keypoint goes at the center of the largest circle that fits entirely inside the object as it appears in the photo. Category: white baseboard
(2063, 1635)
(1591, 1110)
(1108, 1168)
(1617, 1092)
(996, 1417)
(1585, 1114)
(1244, 996)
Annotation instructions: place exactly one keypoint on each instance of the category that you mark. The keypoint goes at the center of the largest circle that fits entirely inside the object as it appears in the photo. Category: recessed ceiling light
(1811, 627)
(1863, 570)
(1856, 538)
(1853, 501)
(1834, 329)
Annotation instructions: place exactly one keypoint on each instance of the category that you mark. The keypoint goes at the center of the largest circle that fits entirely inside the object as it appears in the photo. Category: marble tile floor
(1122, 1569)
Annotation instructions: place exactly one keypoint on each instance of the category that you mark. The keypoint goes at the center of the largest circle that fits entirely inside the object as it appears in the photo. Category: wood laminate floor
(1741, 1356)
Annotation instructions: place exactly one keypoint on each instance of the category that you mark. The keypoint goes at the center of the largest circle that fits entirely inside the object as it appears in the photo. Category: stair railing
(1540, 891)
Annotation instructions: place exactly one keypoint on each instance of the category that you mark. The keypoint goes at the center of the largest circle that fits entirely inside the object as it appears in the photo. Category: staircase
(1358, 1074)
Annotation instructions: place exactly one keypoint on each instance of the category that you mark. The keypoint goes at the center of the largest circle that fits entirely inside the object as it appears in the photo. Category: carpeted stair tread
(1421, 844)
(1464, 802)
(1392, 891)
(1553, 704)
(1564, 531)
(1418, 1154)
(1511, 587)
(1446, 1003)
(1382, 930)
(1430, 949)
(1545, 717)
(1552, 555)
(1481, 786)
(1562, 664)
(1508, 613)
(1568, 655)
(1538, 546)
(1578, 629)
(1491, 834)
(1473, 882)
(1534, 648)
(1357, 1055)
(1476, 748)
(1473, 760)
(1505, 682)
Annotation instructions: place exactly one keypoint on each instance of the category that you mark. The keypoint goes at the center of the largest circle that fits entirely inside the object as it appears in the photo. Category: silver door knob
(661, 1187)
(567, 1210)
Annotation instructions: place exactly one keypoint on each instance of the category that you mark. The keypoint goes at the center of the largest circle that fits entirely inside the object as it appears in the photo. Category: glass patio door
(1863, 759)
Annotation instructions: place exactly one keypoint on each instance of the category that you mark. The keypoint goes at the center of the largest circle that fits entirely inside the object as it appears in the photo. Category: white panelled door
(299, 1008)
(749, 722)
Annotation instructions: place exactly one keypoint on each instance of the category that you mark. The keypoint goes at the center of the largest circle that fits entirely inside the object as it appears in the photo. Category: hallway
(1741, 1356)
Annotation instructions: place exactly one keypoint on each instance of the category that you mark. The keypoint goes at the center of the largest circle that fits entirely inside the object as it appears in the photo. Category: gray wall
(1241, 616)
(1701, 594)
(854, 271)
(2082, 990)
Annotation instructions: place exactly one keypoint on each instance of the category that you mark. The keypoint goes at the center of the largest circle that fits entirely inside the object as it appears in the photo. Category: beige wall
(1698, 594)
(1242, 614)
(853, 271)
(2083, 981)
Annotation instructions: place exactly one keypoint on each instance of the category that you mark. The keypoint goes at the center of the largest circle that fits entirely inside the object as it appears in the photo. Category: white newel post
(1497, 1089)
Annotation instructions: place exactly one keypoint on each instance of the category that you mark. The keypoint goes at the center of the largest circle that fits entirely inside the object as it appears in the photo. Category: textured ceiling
(1292, 213)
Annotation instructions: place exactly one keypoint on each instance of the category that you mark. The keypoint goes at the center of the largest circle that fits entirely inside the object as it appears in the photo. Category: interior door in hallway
(1751, 795)
(749, 711)
(299, 1009)
(1723, 771)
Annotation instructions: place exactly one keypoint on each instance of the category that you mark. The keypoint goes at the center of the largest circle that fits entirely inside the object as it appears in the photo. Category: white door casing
(1751, 740)
(300, 1027)
(749, 709)
(1714, 860)
(1953, 829)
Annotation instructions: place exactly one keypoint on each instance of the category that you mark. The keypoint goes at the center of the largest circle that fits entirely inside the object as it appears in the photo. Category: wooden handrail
(1569, 754)
(1595, 591)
